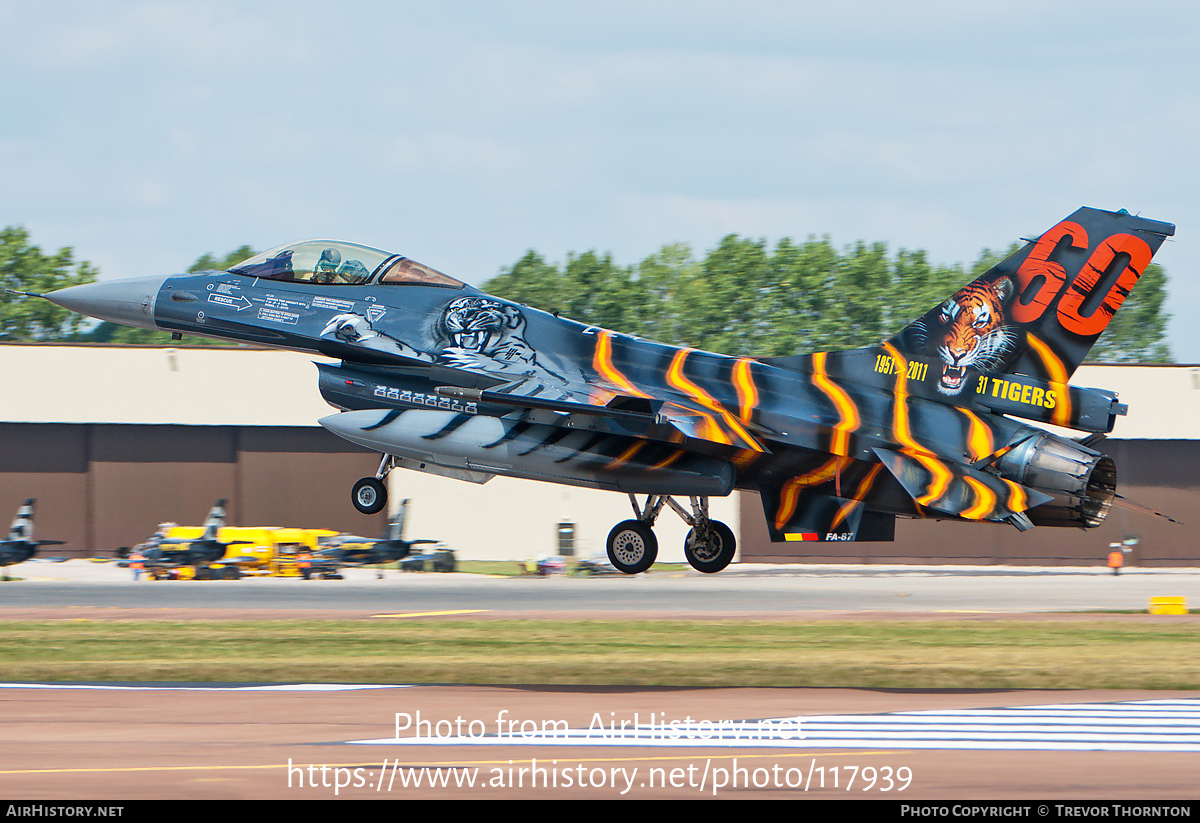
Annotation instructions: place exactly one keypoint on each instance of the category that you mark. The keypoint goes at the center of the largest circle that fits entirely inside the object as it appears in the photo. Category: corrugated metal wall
(1163, 475)
(102, 486)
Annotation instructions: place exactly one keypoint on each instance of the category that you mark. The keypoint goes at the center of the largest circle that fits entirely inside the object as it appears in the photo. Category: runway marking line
(426, 764)
(433, 614)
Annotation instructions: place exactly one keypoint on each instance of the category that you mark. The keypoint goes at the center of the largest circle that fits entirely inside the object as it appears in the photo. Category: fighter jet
(20, 545)
(350, 550)
(163, 553)
(439, 377)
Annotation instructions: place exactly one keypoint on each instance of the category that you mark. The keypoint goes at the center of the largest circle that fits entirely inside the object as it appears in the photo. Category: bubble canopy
(336, 262)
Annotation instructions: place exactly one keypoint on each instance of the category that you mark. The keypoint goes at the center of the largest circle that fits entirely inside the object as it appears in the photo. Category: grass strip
(867, 654)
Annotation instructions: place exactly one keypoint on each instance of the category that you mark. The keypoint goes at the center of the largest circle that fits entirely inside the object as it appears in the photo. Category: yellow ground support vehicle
(290, 543)
(262, 551)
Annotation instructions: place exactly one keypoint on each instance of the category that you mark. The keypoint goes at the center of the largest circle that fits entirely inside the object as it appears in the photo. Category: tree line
(746, 299)
(742, 298)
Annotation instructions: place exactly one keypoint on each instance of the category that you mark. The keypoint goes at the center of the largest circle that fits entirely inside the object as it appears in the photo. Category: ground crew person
(137, 562)
(304, 564)
(1116, 558)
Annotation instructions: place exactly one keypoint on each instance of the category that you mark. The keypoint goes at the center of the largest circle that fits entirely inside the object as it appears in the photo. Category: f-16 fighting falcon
(440, 377)
(20, 545)
(163, 553)
(350, 550)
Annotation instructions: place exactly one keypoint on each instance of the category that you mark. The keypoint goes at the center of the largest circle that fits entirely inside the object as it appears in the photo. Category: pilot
(326, 268)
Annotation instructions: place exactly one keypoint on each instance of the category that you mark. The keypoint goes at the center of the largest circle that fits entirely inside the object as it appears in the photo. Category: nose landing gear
(633, 548)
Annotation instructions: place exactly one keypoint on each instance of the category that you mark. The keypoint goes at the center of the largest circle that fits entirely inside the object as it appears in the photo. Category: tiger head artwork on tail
(971, 331)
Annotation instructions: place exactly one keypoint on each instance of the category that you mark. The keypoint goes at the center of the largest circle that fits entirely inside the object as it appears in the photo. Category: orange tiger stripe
(747, 392)
(859, 494)
(979, 437)
(1058, 380)
(940, 475)
(985, 501)
(1018, 500)
(627, 454)
(848, 413)
(789, 495)
(602, 363)
(679, 380)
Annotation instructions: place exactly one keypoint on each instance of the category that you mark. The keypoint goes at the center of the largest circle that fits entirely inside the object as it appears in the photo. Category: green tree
(1135, 334)
(26, 268)
(666, 278)
(206, 262)
(744, 299)
(534, 282)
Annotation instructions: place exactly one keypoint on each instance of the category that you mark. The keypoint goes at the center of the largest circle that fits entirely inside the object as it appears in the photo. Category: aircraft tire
(632, 547)
(712, 558)
(369, 495)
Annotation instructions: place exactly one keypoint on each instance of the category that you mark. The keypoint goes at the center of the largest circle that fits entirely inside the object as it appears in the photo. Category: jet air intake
(1082, 481)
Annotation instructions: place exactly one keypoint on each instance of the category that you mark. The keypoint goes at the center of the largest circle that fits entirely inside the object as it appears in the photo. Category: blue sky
(144, 134)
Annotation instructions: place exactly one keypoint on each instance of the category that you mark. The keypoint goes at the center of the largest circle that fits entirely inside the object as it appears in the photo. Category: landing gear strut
(370, 494)
(633, 548)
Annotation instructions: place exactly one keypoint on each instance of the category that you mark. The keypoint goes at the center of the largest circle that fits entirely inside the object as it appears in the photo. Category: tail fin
(215, 520)
(396, 525)
(1040, 311)
(22, 525)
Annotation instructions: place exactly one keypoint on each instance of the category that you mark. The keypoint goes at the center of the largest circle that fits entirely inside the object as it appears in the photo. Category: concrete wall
(507, 519)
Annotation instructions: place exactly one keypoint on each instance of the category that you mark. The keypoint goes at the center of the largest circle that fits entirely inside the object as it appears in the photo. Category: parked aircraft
(20, 545)
(350, 550)
(162, 553)
(440, 377)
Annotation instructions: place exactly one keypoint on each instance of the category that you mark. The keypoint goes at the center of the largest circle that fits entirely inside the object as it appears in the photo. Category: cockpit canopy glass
(410, 271)
(335, 262)
(331, 262)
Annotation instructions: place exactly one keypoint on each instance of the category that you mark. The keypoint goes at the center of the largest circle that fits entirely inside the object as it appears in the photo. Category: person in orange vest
(137, 562)
(1116, 558)
(304, 564)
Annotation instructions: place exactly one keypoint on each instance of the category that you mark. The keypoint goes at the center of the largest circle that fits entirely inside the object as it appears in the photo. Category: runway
(67, 588)
(299, 742)
(206, 743)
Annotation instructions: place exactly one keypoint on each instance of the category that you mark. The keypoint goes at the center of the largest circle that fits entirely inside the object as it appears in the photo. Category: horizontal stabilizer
(958, 490)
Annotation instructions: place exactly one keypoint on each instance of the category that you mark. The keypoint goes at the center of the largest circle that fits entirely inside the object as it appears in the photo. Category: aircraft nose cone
(128, 302)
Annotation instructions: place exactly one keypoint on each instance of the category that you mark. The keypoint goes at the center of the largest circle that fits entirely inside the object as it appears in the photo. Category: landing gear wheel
(710, 558)
(632, 546)
(369, 495)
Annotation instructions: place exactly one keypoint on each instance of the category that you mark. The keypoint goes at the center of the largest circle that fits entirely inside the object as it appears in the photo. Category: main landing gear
(633, 548)
(370, 494)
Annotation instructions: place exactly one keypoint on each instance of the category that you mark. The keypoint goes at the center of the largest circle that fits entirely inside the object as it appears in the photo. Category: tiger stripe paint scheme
(927, 424)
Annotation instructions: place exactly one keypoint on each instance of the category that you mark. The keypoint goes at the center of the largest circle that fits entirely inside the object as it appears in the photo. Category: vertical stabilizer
(22, 525)
(1040, 311)
(215, 520)
(396, 525)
